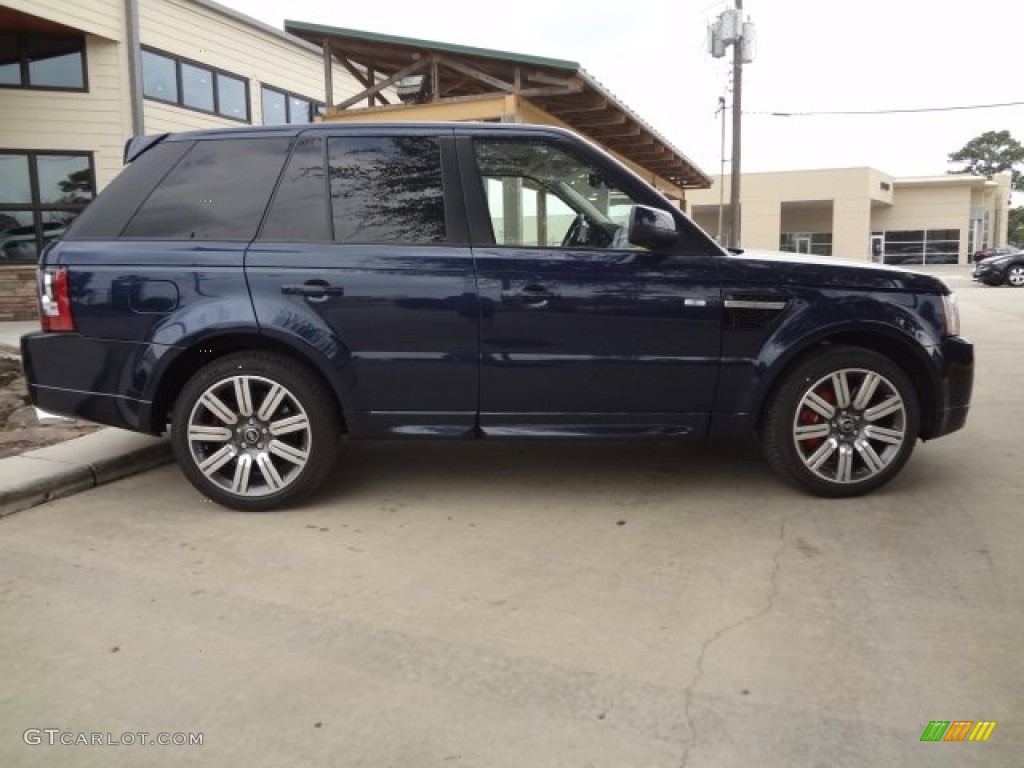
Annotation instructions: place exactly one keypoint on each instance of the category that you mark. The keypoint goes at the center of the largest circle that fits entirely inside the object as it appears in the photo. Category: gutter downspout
(131, 13)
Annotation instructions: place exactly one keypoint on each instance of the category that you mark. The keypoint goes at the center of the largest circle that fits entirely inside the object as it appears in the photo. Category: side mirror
(651, 228)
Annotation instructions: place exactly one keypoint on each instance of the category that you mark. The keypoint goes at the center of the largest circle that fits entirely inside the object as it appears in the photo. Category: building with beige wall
(863, 213)
(79, 79)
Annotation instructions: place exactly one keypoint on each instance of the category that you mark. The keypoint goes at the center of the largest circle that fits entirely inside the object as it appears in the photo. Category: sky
(812, 56)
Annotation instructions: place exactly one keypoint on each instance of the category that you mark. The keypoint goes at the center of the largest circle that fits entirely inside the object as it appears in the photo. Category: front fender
(905, 326)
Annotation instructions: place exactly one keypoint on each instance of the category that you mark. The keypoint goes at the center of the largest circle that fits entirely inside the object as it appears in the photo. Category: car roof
(138, 145)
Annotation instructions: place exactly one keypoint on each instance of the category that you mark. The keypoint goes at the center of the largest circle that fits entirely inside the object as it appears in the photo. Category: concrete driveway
(527, 606)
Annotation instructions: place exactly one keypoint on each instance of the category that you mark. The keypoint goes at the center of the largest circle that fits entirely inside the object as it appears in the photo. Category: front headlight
(951, 307)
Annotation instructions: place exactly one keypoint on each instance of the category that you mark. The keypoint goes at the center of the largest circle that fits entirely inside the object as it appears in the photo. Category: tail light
(55, 300)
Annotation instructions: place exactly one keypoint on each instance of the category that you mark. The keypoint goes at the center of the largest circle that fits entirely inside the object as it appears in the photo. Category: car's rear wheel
(254, 431)
(843, 423)
(1015, 275)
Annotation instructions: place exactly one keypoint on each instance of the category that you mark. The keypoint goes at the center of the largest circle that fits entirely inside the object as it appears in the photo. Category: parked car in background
(261, 291)
(987, 253)
(1003, 268)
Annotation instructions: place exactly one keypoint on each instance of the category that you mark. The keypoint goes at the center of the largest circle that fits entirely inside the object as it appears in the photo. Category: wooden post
(328, 74)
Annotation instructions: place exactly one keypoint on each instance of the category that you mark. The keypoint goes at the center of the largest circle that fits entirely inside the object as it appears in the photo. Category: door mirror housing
(651, 227)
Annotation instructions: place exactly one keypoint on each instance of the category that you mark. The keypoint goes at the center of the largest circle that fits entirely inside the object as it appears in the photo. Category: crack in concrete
(699, 673)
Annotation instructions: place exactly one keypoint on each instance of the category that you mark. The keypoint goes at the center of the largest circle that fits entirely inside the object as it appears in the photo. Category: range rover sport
(261, 291)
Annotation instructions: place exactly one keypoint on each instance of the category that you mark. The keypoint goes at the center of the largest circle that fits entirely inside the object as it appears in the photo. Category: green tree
(990, 153)
(1015, 226)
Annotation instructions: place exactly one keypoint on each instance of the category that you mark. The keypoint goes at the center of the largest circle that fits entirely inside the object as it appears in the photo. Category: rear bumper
(955, 384)
(71, 375)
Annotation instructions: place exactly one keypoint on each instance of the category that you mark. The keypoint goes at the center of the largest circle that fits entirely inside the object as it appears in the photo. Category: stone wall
(18, 293)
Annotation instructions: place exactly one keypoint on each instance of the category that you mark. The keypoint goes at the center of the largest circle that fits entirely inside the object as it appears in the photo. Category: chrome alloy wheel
(1015, 276)
(849, 425)
(249, 435)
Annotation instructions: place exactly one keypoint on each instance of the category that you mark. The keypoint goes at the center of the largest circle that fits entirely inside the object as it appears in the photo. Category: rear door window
(218, 191)
(299, 211)
(387, 189)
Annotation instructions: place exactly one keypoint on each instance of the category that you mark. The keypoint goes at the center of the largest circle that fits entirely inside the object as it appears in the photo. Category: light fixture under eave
(409, 88)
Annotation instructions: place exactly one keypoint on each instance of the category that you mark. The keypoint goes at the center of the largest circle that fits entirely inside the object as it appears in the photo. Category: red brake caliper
(808, 416)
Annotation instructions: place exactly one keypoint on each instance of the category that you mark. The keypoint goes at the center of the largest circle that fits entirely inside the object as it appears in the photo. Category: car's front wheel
(254, 431)
(843, 422)
(1015, 276)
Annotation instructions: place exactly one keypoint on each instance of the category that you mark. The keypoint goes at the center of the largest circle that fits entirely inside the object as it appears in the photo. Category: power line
(889, 111)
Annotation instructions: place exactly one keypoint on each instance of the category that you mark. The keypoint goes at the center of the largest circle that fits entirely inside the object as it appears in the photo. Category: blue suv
(260, 292)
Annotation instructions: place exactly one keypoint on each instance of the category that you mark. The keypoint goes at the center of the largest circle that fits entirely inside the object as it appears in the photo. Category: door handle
(316, 291)
(531, 293)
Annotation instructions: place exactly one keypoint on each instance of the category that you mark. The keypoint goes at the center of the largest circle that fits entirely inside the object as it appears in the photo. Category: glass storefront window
(159, 77)
(189, 84)
(30, 218)
(232, 98)
(42, 61)
(15, 186)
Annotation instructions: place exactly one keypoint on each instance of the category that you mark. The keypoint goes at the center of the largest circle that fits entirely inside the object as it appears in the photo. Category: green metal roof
(299, 27)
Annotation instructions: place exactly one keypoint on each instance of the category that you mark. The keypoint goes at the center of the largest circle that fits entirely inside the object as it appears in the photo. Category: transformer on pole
(730, 29)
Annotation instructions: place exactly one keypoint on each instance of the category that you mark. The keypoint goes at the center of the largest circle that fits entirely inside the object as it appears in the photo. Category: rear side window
(387, 190)
(299, 212)
(218, 191)
(105, 218)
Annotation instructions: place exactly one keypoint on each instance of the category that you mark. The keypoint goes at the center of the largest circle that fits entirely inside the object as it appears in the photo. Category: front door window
(538, 196)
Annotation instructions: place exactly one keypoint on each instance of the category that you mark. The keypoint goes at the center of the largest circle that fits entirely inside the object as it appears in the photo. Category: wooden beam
(416, 66)
(328, 73)
(540, 77)
(363, 80)
(551, 90)
(598, 105)
(625, 133)
(476, 74)
(606, 122)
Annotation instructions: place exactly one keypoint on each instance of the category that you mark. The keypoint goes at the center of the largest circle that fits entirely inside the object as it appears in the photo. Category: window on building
(40, 194)
(281, 107)
(386, 190)
(922, 246)
(43, 61)
(190, 84)
(816, 243)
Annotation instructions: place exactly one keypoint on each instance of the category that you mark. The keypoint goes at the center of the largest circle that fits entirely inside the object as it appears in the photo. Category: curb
(73, 466)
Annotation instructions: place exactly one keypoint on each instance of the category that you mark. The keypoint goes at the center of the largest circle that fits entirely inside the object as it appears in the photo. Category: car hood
(999, 258)
(827, 271)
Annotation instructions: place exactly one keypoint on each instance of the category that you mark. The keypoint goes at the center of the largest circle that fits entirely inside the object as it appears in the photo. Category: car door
(583, 334)
(363, 259)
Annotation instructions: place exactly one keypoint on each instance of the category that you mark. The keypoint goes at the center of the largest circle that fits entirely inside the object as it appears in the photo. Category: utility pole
(737, 145)
(730, 29)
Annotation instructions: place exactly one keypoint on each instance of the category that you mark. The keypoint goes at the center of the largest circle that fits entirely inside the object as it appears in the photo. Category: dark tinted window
(218, 191)
(299, 211)
(105, 218)
(387, 190)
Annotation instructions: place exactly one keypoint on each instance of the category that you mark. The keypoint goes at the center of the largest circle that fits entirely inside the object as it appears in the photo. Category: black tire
(859, 447)
(255, 431)
(1015, 276)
